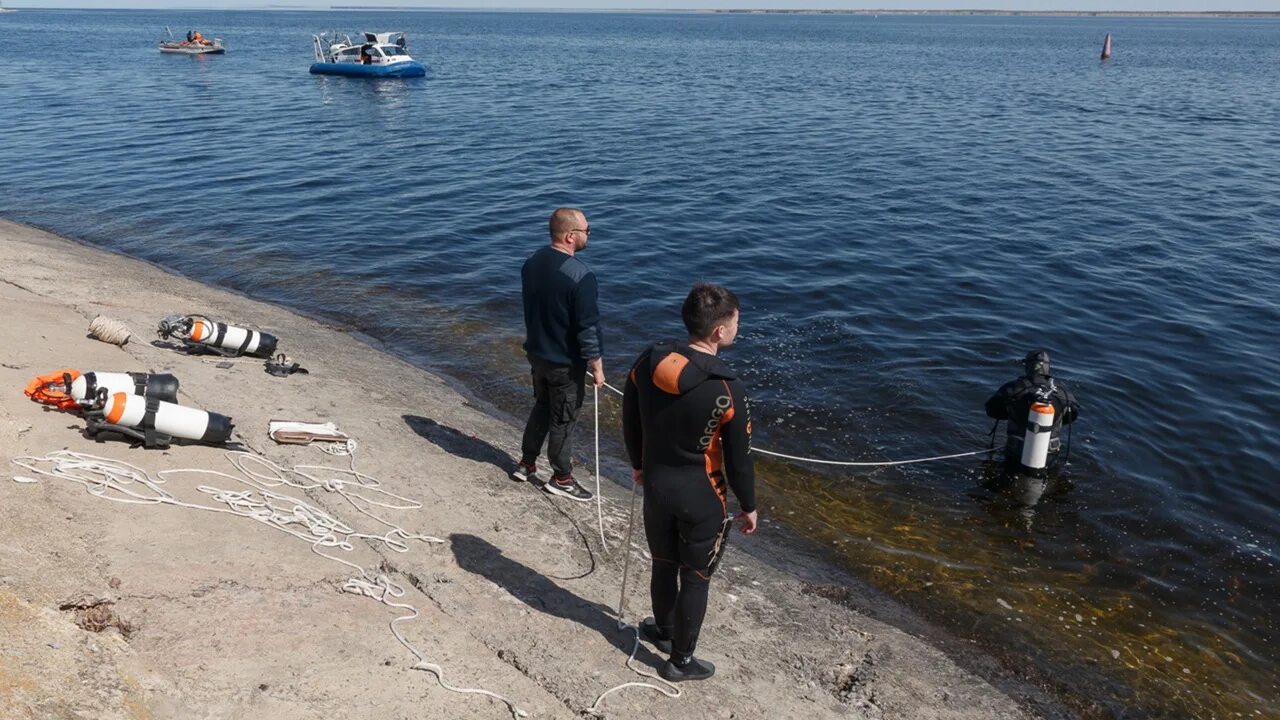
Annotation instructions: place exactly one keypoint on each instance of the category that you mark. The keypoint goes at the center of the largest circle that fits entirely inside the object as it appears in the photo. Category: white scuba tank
(1035, 444)
(84, 389)
(130, 411)
(235, 339)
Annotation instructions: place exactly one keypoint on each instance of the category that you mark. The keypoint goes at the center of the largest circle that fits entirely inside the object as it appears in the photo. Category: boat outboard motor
(84, 389)
(155, 422)
(198, 332)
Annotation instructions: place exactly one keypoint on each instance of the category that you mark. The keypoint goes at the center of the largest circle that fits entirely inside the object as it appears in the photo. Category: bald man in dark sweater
(562, 341)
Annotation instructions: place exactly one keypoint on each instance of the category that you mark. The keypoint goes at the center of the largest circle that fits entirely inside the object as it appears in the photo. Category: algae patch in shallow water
(1123, 653)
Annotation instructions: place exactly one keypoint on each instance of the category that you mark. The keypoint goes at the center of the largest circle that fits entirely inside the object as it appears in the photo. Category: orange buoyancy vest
(54, 389)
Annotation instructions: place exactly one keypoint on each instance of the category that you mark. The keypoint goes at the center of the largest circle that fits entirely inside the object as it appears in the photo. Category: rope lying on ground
(848, 463)
(119, 481)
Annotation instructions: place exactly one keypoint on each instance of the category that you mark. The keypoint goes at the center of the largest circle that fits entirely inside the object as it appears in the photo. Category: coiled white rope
(109, 330)
(119, 481)
(850, 463)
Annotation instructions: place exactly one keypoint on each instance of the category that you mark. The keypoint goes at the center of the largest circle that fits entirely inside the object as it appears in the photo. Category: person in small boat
(197, 38)
(366, 58)
(1013, 401)
(188, 42)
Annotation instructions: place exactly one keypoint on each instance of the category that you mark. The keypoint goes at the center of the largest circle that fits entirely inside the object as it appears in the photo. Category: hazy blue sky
(1166, 5)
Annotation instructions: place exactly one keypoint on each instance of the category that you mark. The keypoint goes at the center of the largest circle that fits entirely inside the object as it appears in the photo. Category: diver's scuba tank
(1035, 444)
(199, 332)
(153, 421)
(84, 389)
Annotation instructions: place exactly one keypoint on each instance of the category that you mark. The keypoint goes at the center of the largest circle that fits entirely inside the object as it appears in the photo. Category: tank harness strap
(66, 380)
(139, 383)
(248, 335)
(150, 436)
(219, 333)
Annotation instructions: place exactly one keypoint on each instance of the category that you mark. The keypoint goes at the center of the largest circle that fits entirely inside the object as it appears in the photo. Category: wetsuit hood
(1036, 365)
(677, 368)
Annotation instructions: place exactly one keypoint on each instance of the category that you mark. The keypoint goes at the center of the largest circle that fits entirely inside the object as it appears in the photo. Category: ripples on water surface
(906, 205)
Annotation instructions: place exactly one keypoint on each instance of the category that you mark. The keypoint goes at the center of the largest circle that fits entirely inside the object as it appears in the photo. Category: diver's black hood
(1036, 364)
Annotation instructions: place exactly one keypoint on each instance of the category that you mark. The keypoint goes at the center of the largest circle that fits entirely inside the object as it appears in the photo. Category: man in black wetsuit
(1013, 402)
(688, 432)
(562, 342)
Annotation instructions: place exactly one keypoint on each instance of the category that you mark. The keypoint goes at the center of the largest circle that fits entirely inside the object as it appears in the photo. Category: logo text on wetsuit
(722, 404)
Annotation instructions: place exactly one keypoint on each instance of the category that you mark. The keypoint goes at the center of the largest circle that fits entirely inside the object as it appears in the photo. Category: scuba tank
(1035, 444)
(198, 332)
(153, 421)
(84, 389)
(68, 389)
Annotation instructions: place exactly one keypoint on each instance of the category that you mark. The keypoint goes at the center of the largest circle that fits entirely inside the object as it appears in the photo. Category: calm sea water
(905, 205)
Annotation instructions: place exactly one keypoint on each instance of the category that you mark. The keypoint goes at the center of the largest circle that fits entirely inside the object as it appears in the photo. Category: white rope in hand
(119, 481)
(851, 463)
(604, 545)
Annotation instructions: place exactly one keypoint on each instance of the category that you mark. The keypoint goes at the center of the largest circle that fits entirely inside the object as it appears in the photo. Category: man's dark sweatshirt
(561, 315)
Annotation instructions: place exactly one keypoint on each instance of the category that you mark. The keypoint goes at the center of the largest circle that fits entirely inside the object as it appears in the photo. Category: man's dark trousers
(558, 391)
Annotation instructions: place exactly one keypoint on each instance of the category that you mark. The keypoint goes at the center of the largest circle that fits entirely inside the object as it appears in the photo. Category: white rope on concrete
(119, 481)
(109, 330)
(850, 463)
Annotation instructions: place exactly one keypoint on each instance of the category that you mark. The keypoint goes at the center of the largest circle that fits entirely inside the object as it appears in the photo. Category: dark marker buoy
(1106, 48)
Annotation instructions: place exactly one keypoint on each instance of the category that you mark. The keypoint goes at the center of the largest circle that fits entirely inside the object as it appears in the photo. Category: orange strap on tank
(52, 389)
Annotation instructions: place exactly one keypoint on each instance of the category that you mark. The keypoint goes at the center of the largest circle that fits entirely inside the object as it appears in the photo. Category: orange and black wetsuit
(688, 428)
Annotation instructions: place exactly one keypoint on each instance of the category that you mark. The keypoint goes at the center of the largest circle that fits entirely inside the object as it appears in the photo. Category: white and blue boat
(379, 55)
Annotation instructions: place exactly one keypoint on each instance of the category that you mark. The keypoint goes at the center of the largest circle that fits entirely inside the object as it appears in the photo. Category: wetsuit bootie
(691, 669)
(652, 634)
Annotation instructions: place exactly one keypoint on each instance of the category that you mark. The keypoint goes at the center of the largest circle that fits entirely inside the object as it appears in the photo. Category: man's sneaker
(693, 669)
(653, 635)
(525, 472)
(567, 487)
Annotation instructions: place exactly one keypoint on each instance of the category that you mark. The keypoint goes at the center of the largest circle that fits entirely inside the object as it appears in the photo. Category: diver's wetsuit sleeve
(586, 314)
(736, 440)
(1073, 408)
(632, 429)
(997, 404)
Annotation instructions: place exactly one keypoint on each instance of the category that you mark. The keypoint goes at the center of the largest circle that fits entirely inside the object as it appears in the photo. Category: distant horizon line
(972, 12)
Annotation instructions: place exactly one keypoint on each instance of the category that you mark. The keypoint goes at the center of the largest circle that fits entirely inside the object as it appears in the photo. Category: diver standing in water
(688, 431)
(1036, 407)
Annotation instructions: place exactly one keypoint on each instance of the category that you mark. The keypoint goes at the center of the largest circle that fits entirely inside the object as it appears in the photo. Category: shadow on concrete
(460, 444)
(478, 556)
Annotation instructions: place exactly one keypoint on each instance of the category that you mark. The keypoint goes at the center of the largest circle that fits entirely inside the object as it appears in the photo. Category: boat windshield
(393, 50)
